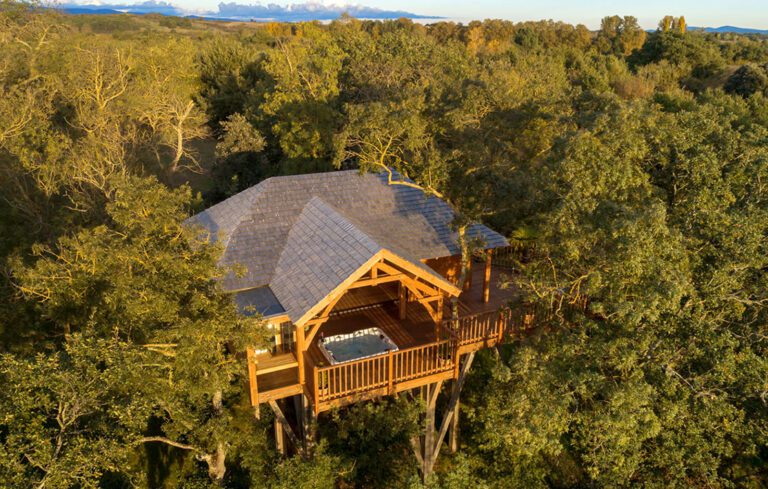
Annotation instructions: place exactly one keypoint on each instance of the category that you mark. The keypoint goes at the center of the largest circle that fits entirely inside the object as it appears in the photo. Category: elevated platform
(428, 352)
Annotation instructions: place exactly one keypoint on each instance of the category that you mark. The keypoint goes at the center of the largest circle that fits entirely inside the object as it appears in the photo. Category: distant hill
(233, 11)
(731, 29)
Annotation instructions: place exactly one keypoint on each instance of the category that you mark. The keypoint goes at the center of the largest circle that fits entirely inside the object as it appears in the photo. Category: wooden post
(432, 391)
(487, 277)
(450, 411)
(439, 317)
(297, 405)
(286, 429)
(307, 423)
(390, 372)
(316, 384)
(252, 375)
(468, 279)
(300, 352)
(402, 304)
(280, 438)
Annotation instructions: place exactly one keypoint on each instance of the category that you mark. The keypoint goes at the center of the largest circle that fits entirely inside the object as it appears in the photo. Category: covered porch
(428, 344)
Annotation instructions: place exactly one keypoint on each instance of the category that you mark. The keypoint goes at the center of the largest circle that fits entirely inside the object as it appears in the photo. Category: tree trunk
(465, 262)
(216, 463)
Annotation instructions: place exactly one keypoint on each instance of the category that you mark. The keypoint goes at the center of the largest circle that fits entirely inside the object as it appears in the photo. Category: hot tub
(354, 346)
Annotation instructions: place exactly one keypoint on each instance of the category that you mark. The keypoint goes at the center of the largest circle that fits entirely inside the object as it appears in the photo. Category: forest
(631, 165)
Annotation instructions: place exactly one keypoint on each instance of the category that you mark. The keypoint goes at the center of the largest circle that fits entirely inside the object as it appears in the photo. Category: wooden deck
(426, 352)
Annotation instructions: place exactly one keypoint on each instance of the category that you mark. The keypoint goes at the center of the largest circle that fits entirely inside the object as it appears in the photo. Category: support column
(401, 297)
(450, 412)
(300, 352)
(431, 391)
(253, 386)
(487, 277)
(468, 280)
(307, 422)
(282, 427)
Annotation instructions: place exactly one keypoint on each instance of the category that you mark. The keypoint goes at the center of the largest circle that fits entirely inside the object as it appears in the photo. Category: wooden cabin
(355, 277)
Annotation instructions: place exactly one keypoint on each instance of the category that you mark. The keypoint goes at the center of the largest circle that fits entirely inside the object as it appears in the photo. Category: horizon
(740, 13)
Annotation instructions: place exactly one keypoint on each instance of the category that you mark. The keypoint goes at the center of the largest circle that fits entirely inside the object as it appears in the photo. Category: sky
(699, 13)
(702, 13)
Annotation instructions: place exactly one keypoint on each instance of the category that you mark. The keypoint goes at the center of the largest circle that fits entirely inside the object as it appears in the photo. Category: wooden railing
(510, 257)
(478, 328)
(382, 372)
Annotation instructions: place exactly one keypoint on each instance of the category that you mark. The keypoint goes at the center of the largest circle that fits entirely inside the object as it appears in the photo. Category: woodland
(631, 166)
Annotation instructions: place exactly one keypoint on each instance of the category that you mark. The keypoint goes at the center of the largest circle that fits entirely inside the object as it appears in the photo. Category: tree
(621, 36)
(145, 279)
(62, 421)
(746, 81)
(671, 345)
(303, 103)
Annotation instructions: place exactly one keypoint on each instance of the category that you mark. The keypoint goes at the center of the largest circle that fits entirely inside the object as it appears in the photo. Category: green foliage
(618, 157)
(319, 473)
(747, 80)
(374, 440)
(692, 53)
(53, 423)
(620, 36)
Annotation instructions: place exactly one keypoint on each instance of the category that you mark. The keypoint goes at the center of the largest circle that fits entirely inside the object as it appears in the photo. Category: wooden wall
(448, 266)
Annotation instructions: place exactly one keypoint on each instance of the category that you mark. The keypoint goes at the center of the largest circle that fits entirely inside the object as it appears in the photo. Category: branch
(160, 439)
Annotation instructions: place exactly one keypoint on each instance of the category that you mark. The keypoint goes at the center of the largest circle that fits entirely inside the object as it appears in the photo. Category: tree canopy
(629, 164)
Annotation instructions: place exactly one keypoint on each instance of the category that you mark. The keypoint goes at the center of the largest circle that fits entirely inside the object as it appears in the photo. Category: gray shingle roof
(259, 300)
(308, 230)
(323, 249)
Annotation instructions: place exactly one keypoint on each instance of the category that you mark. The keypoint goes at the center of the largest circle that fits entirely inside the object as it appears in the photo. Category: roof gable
(324, 252)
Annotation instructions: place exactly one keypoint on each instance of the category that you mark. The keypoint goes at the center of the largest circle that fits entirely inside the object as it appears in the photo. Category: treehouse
(355, 276)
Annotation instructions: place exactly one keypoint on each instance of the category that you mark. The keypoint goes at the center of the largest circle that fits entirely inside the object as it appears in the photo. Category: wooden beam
(403, 266)
(428, 299)
(487, 276)
(424, 288)
(280, 417)
(340, 289)
(417, 449)
(370, 282)
(319, 321)
(451, 409)
(426, 275)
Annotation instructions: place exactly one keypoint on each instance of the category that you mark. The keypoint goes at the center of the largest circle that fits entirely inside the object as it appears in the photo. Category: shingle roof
(259, 300)
(323, 249)
(304, 232)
